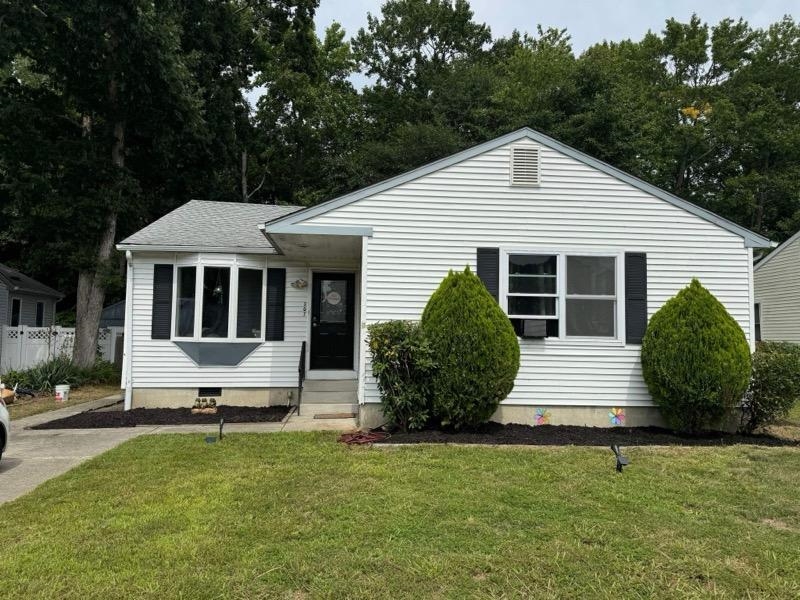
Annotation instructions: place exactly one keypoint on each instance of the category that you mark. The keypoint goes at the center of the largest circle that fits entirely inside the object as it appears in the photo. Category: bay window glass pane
(593, 318)
(248, 309)
(216, 301)
(184, 326)
(591, 275)
(531, 306)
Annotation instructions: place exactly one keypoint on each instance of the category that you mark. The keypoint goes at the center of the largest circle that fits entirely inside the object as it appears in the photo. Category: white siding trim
(127, 349)
(362, 321)
(751, 303)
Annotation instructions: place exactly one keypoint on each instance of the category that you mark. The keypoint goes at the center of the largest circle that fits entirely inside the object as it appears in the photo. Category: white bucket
(62, 393)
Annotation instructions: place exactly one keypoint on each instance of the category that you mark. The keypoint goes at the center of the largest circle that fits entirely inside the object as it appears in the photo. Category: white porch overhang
(315, 241)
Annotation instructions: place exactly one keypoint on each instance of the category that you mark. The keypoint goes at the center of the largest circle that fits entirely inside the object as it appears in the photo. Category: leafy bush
(474, 347)
(402, 362)
(60, 370)
(101, 372)
(695, 359)
(775, 385)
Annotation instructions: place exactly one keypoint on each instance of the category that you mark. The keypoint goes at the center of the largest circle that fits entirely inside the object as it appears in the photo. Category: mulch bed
(566, 435)
(166, 416)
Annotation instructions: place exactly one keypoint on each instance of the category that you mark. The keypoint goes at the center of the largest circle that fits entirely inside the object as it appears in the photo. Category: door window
(333, 301)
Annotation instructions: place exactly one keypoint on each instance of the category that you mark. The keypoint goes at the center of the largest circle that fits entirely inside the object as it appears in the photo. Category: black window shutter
(635, 296)
(162, 302)
(489, 270)
(276, 303)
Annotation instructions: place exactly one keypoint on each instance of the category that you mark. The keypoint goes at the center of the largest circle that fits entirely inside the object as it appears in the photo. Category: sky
(587, 21)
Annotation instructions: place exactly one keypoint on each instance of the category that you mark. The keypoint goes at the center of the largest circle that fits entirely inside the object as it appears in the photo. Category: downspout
(128, 343)
(751, 301)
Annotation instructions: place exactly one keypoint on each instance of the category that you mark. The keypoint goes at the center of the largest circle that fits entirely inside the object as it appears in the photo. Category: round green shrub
(775, 385)
(402, 364)
(695, 360)
(475, 350)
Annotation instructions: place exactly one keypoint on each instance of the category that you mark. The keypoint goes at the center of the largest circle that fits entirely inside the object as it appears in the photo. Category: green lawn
(300, 516)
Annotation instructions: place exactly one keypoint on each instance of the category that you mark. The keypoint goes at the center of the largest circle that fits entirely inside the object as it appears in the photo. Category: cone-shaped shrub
(695, 359)
(474, 347)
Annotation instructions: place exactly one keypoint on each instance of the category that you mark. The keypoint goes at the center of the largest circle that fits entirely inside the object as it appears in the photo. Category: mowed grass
(300, 516)
(25, 407)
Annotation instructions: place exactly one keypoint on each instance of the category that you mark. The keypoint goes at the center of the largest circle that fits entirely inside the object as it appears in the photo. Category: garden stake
(221, 423)
(621, 460)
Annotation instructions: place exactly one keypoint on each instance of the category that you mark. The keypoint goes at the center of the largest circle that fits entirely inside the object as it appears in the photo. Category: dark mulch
(166, 416)
(565, 435)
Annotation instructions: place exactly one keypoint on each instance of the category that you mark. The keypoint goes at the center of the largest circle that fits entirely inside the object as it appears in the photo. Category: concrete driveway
(34, 456)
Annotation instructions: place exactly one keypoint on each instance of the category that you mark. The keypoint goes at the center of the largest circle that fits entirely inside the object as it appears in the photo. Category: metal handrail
(301, 374)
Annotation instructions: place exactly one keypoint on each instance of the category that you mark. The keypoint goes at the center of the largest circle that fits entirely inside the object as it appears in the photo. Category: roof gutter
(175, 248)
(269, 230)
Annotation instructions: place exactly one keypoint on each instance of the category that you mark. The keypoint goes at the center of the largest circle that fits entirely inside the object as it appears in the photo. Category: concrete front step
(329, 385)
(310, 409)
(328, 397)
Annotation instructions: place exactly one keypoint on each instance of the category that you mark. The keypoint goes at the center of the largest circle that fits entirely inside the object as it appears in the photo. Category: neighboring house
(578, 253)
(25, 301)
(777, 293)
(113, 315)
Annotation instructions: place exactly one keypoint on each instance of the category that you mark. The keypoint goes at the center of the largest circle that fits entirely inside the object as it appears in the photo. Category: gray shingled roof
(203, 223)
(17, 282)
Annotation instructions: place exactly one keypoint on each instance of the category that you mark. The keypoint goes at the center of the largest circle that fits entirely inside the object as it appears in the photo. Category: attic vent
(525, 165)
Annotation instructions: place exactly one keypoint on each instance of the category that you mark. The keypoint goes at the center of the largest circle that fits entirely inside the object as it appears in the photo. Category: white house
(246, 301)
(777, 293)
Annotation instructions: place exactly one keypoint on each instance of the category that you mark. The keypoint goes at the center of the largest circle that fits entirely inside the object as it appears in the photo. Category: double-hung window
(575, 293)
(591, 301)
(533, 285)
(221, 302)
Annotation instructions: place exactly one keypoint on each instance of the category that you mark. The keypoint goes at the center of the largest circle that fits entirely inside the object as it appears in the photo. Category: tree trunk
(91, 282)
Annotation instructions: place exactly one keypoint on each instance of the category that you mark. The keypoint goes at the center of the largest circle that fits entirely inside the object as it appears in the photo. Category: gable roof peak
(751, 239)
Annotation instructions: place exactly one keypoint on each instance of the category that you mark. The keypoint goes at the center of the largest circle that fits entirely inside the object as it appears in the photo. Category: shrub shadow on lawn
(166, 416)
(573, 435)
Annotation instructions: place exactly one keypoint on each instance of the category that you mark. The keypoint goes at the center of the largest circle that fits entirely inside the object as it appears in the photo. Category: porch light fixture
(299, 284)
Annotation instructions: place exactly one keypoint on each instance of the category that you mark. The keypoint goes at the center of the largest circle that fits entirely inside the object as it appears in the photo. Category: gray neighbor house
(25, 301)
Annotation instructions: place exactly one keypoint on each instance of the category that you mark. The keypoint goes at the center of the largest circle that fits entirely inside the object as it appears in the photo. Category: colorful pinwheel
(617, 416)
(542, 416)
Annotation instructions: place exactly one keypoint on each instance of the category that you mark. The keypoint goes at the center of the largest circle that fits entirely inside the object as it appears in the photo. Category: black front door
(332, 320)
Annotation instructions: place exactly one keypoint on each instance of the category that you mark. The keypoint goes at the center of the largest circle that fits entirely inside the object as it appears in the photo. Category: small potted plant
(204, 406)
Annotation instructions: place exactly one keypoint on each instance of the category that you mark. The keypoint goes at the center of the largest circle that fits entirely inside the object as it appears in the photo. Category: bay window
(574, 293)
(184, 323)
(216, 301)
(248, 312)
(220, 300)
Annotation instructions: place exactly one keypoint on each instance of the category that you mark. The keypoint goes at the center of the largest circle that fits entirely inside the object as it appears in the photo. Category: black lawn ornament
(622, 461)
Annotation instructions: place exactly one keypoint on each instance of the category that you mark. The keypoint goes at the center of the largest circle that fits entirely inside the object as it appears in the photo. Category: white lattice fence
(24, 347)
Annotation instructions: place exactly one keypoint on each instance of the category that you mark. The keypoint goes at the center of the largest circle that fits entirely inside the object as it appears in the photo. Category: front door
(332, 320)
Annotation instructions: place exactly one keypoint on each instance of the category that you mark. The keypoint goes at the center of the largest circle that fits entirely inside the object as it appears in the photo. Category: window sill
(210, 340)
(574, 343)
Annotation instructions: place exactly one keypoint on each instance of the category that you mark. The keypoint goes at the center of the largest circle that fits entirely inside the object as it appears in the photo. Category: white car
(5, 427)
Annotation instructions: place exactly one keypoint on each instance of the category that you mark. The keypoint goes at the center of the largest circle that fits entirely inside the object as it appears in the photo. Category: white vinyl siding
(777, 290)
(161, 364)
(425, 227)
